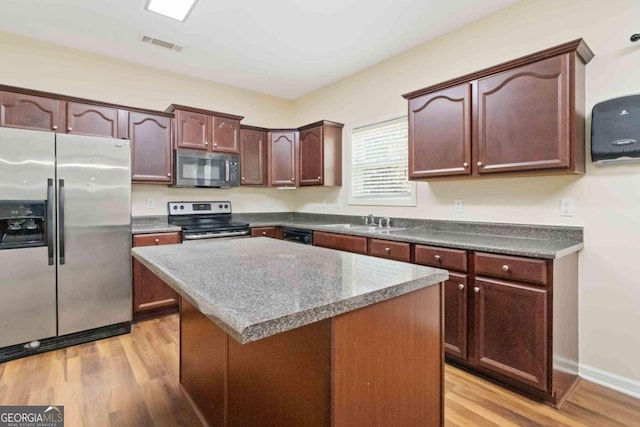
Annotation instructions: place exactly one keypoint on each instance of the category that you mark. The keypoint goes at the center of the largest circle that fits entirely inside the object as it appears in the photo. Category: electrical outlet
(567, 207)
(150, 203)
(458, 206)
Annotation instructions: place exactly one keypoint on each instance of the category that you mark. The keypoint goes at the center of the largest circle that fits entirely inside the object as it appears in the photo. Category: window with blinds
(379, 164)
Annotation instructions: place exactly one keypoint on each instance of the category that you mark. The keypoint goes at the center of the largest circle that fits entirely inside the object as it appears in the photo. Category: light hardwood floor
(132, 380)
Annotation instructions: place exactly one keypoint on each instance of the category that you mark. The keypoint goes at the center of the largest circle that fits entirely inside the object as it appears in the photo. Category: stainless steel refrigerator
(65, 230)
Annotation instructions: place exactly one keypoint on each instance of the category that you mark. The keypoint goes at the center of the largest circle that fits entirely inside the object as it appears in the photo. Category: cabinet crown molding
(173, 107)
(578, 46)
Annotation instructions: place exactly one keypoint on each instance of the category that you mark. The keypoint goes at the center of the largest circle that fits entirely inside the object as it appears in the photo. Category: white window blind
(379, 157)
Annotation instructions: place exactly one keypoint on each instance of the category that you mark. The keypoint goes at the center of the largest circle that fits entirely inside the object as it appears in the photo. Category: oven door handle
(215, 236)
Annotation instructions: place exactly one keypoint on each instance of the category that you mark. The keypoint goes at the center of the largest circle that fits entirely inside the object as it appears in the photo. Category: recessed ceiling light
(175, 9)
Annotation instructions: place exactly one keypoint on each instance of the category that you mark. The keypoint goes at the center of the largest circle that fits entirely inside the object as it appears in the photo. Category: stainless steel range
(206, 220)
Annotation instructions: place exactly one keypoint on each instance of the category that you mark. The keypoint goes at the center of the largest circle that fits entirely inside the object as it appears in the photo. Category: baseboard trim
(611, 380)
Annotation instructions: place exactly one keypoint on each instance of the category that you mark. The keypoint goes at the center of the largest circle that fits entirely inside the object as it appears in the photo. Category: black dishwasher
(298, 235)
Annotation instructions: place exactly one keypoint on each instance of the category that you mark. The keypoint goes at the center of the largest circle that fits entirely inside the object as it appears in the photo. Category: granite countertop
(530, 240)
(255, 288)
(152, 224)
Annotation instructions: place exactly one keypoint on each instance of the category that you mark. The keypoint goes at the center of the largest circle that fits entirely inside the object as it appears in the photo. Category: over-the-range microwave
(195, 168)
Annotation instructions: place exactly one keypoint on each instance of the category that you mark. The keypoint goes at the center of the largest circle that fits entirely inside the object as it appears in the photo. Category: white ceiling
(285, 48)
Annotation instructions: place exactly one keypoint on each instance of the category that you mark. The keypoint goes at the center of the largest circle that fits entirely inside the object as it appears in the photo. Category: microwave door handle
(226, 171)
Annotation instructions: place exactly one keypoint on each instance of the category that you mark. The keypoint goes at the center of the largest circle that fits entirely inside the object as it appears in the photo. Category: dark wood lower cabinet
(151, 296)
(510, 330)
(381, 365)
(273, 232)
(455, 315)
(341, 242)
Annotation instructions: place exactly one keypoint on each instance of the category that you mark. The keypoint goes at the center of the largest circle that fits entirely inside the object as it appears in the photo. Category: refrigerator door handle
(50, 214)
(61, 219)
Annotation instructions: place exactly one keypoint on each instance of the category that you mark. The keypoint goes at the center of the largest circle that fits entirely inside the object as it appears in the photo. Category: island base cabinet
(349, 370)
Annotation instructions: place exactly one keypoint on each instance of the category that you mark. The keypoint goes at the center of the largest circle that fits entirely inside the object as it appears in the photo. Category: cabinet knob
(264, 233)
(460, 286)
(291, 179)
(54, 127)
(169, 174)
(215, 144)
(505, 267)
(479, 163)
(157, 241)
(319, 178)
(387, 250)
(69, 129)
(243, 178)
(437, 257)
(476, 290)
(206, 143)
(465, 164)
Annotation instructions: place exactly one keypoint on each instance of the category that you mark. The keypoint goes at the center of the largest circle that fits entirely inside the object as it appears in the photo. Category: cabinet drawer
(273, 232)
(388, 249)
(451, 259)
(341, 242)
(510, 267)
(156, 239)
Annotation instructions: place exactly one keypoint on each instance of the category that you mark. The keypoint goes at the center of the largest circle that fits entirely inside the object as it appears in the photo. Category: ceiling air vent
(161, 43)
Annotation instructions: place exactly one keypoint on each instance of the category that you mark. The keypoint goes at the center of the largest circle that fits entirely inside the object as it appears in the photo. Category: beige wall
(37, 65)
(607, 198)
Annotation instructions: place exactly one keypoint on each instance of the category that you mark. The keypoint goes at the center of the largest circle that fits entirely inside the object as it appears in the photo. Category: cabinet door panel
(455, 315)
(282, 158)
(273, 232)
(150, 294)
(85, 119)
(510, 330)
(440, 133)
(523, 118)
(226, 134)
(311, 156)
(399, 251)
(253, 157)
(341, 242)
(151, 148)
(194, 130)
(31, 112)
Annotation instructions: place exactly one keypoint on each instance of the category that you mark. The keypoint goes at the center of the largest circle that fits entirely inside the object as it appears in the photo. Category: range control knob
(175, 208)
(181, 207)
(226, 206)
(220, 206)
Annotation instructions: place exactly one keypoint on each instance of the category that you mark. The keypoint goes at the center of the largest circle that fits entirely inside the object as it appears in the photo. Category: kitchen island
(275, 333)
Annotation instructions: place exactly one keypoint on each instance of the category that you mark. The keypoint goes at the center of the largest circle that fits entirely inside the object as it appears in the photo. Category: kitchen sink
(362, 227)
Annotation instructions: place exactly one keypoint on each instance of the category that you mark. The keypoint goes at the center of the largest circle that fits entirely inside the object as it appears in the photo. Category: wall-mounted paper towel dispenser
(615, 130)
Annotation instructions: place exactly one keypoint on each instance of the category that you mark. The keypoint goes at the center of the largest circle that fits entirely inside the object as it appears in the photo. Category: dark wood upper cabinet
(320, 154)
(151, 159)
(226, 135)
(311, 156)
(193, 130)
(282, 155)
(253, 155)
(523, 117)
(440, 133)
(93, 120)
(18, 110)
(510, 330)
(200, 129)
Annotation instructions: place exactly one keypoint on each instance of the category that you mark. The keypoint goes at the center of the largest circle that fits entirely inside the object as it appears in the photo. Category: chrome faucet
(386, 220)
(370, 220)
